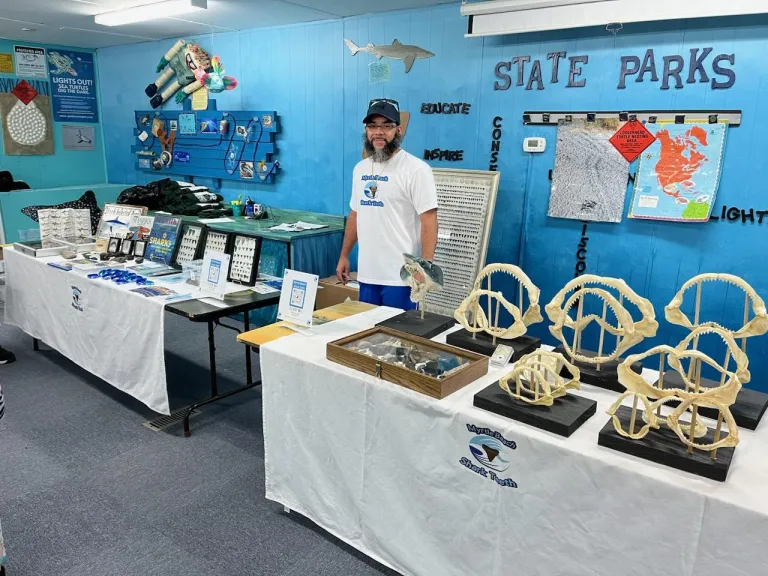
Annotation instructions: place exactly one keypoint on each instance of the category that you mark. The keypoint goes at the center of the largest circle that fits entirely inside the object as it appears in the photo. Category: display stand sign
(297, 298)
(214, 274)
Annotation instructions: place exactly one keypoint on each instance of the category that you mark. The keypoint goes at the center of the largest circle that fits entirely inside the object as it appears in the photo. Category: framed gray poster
(78, 137)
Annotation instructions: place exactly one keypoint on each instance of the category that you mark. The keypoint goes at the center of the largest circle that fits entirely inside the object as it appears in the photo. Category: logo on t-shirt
(371, 190)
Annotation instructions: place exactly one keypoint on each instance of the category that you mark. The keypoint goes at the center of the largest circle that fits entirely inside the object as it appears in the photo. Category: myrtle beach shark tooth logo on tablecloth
(406, 52)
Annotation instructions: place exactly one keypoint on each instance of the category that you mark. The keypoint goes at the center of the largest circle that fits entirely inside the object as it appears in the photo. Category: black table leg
(214, 384)
(215, 396)
(36, 344)
(248, 369)
(288, 264)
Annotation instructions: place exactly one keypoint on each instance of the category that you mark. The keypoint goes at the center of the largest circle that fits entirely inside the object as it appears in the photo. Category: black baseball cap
(390, 109)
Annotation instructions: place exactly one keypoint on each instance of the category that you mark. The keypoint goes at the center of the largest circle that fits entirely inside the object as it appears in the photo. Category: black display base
(748, 409)
(410, 322)
(664, 447)
(563, 418)
(483, 344)
(606, 377)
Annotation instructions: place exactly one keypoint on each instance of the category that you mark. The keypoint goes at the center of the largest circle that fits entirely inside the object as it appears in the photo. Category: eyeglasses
(385, 127)
(394, 103)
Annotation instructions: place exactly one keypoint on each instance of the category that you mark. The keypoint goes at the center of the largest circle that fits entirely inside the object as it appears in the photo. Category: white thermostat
(535, 145)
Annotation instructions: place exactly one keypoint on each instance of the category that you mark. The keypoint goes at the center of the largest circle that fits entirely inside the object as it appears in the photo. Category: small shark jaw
(421, 275)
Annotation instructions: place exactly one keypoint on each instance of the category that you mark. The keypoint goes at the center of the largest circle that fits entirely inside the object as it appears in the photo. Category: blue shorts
(393, 296)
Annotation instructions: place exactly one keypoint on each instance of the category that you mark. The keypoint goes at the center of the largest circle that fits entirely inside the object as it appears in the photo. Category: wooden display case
(431, 368)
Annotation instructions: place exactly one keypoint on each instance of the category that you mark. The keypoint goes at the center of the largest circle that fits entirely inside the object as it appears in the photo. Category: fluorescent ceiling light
(166, 9)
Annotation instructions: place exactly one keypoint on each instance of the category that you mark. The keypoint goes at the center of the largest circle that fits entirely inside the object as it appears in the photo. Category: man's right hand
(342, 270)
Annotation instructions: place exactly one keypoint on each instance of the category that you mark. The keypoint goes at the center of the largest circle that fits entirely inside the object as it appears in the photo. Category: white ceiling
(70, 22)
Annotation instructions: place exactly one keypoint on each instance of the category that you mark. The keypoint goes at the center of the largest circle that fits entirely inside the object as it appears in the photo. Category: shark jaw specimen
(690, 397)
(490, 323)
(757, 326)
(531, 378)
(406, 52)
(628, 332)
(422, 276)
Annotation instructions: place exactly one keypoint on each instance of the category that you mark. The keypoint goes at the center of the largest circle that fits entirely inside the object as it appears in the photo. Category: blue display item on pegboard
(235, 146)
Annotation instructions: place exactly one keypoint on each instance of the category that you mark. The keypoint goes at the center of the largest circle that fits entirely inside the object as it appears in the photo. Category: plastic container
(192, 271)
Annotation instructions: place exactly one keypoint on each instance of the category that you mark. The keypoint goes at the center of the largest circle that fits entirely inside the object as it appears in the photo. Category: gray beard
(385, 153)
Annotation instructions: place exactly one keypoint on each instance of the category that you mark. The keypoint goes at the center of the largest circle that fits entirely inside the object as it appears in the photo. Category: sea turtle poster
(678, 175)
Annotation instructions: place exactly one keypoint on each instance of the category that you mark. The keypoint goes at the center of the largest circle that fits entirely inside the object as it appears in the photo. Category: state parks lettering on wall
(700, 66)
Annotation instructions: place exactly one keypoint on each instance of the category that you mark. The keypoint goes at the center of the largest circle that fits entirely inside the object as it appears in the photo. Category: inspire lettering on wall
(700, 66)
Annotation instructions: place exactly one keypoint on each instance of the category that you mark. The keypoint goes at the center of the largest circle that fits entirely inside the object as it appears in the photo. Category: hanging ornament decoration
(27, 120)
(214, 80)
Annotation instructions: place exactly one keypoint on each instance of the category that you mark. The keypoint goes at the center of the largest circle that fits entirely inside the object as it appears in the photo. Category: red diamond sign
(632, 139)
(24, 92)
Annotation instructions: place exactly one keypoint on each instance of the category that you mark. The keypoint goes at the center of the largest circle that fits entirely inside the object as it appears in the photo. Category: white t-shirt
(388, 199)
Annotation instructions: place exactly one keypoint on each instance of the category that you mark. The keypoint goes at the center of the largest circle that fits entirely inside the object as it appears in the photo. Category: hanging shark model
(396, 50)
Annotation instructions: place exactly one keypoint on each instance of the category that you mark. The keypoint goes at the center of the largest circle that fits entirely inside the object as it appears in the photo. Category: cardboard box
(331, 292)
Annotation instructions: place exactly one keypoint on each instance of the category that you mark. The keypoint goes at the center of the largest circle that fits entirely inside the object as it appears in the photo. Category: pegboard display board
(466, 200)
(210, 144)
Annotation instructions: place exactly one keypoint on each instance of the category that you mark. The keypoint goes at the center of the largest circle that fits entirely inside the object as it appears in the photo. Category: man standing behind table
(393, 210)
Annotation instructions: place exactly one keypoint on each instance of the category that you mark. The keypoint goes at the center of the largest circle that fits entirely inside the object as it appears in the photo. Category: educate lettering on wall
(700, 66)
(445, 108)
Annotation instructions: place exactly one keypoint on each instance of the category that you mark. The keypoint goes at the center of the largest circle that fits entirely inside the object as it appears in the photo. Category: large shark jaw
(422, 276)
(483, 323)
(689, 396)
(757, 326)
(628, 331)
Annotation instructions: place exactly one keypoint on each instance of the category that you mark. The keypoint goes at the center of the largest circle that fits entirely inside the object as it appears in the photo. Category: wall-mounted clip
(680, 119)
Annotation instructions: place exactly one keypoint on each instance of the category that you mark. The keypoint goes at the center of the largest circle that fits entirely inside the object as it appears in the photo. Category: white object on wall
(535, 145)
(497, 17)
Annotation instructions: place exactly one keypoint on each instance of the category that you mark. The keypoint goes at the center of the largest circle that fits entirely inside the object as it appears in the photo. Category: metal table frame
(197, 311)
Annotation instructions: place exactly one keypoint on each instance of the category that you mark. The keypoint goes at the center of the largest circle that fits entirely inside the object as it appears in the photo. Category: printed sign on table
(213, 276)
(73, 86)
(30, 62)
(297, 298)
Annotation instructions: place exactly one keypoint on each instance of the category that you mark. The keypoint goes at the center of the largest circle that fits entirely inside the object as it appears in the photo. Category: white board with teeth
(466, 200)
(26, 124)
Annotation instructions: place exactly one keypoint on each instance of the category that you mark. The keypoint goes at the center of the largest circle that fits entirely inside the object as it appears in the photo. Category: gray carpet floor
(86, 489)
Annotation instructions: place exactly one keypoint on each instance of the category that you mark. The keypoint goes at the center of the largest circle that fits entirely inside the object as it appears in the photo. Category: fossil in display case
(190, 246)
(482, 332)
(246, 252)
(750, 405)
(216, 242)
(428, 367)
(600, 368)
(646, 431)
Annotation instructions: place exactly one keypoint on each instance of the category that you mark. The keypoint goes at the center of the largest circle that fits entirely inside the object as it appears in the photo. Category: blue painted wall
(307, 74)
(64, 167)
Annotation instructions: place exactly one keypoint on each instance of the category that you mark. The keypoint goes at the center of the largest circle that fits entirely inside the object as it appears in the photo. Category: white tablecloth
(113, 333)
(383, 468)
